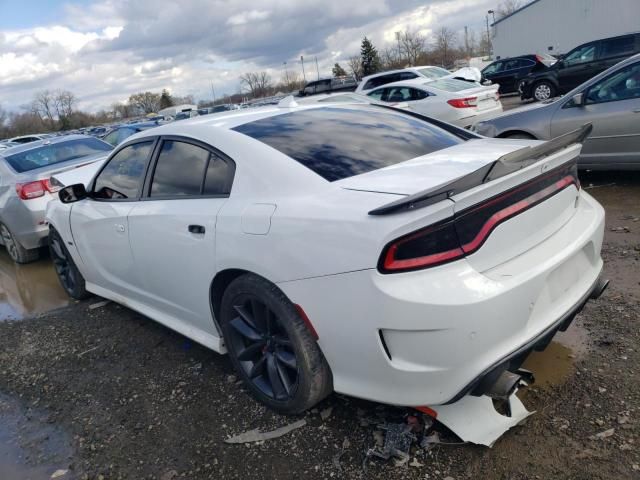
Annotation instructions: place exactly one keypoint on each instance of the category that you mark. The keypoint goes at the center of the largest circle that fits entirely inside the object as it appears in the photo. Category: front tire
(543, 90)
(17, 252)
(271, 348)
(70, 277)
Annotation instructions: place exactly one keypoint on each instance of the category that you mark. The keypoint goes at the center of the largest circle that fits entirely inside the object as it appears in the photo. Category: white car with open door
(354, 248)
(449, 100)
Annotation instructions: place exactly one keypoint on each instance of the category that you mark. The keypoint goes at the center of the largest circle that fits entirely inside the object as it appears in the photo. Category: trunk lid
(504, 204)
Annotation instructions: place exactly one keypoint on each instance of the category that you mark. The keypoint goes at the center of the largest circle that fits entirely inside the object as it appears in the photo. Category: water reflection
(28, 289)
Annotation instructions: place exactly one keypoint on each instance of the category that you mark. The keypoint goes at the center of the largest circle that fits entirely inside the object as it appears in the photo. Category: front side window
(122, 177)
(621, 85)
(179, 170)
(399, 94)
(493, 68)
(586, 53)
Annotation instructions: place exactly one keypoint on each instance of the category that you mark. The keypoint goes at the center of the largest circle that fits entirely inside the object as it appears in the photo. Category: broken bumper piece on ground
(476, 420)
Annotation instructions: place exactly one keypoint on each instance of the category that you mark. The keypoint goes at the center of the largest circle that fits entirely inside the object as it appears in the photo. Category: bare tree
(355, 66)
(64, 102)
(44, 105)
(146, 102)
(507, 7)
(445, 45)
(412, 44)
(258, 84)
(390, 59)
(290, 82)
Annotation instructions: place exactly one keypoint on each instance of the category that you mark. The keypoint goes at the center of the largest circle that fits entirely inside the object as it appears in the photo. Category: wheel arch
(217, 288)
(508, 133)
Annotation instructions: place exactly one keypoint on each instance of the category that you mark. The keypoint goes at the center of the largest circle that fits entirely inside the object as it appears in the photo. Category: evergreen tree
(166, 100)
(370, 58)
(338, 71)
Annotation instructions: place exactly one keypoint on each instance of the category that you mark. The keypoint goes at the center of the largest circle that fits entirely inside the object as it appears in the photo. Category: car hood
(82, 174)
(434, 169)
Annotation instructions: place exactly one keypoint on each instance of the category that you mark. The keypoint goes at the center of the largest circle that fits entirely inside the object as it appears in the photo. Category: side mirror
(578, 99)
(73, 193)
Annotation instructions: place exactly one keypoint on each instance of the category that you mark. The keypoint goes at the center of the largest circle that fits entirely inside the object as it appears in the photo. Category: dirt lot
(106, 393)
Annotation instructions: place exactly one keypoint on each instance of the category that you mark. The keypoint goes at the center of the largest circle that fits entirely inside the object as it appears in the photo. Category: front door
(612, 105)
(576, 67)
(99, 224)
(172, 230)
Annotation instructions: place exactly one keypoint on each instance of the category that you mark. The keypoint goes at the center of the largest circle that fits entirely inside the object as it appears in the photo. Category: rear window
(46, 155)
(450, 85)
(340, 142)
(433, 72)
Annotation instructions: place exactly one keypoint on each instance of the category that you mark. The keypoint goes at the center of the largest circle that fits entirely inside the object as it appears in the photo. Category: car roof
(47, 141)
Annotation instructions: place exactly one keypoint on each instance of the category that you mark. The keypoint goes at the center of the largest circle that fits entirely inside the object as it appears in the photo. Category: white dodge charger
(354, 248)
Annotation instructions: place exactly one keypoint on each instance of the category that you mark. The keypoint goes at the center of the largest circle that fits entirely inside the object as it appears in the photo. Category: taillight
(428, 247)
(496, 95)
(467, 231)
(28, 191)
(463, 102)
(52, 185)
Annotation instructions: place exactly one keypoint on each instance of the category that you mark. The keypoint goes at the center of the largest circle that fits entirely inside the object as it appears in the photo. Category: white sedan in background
(449, 100)
(353, 248)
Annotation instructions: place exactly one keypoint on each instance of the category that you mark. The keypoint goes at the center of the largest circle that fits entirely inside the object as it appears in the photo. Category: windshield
(450, 85)
(46, 155)
(433, 72)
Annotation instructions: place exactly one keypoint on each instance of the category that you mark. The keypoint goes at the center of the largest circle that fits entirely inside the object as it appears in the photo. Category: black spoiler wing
(504, 165)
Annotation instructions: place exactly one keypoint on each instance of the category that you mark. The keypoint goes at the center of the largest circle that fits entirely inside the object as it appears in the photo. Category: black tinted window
(54, 153)
(179, 170)
(382, 80)
(339, 142)
(122, 177)
(219, 176)
(618, 46)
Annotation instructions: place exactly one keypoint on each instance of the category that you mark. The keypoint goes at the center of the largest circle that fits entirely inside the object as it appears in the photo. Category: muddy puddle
(554, 365)
(31, 448)
(29, 289)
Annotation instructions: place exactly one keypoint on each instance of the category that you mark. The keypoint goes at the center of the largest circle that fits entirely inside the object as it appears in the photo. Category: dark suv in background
(329, 85)
(508, 72)
(578, 66)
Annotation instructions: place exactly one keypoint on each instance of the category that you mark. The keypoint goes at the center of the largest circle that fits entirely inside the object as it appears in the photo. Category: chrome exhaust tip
(600, 287)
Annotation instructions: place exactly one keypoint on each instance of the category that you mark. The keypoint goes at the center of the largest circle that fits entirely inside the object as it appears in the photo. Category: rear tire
(68, 274)
(543, 90)
(271, 348)
(17, 252)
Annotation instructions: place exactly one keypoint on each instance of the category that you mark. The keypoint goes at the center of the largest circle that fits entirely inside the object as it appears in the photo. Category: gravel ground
(106, 393)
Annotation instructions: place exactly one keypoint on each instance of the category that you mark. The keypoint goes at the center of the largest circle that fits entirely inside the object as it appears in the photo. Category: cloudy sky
(104, 50)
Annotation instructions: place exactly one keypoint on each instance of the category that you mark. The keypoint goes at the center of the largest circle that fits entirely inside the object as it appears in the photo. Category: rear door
(172, 229)
(99, 224)
(612, 105)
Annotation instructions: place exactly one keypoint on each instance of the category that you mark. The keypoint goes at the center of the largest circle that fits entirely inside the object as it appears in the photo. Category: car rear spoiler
(504, 165)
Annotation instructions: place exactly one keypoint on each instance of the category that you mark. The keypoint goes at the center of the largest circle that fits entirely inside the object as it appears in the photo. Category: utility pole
(466, 41)
(398, 42)
(488, 35)
(317, 70)
(303, 74)
(213, 93)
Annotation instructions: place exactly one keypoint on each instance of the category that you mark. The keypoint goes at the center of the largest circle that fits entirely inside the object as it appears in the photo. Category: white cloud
(109, 49)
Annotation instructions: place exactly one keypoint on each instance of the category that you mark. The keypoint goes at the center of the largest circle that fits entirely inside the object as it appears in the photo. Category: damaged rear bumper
(484, 382)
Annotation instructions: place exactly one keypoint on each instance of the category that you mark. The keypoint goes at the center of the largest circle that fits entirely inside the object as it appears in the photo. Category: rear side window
(340, 142)
(618, 46)
(389, 78)
(122, 177)
(179, 170)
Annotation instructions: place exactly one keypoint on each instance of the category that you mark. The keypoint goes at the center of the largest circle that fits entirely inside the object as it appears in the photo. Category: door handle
(197, 229)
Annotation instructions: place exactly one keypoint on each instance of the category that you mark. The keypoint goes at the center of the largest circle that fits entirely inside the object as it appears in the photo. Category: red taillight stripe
(513, 210)
(390, 263)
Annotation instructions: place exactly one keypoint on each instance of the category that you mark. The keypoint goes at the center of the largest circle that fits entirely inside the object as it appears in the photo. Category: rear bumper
(429, 336)
(26, 220)
(514, 361)
(482, 115)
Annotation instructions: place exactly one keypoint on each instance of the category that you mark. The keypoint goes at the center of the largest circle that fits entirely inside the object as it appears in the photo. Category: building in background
(556, 26)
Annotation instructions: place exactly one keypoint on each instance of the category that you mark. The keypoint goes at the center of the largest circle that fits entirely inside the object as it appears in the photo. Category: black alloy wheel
(70, 277)
(264, 349)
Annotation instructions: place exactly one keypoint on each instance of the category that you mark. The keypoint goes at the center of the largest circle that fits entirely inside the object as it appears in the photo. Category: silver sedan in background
(26, 188)
(610, 101)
